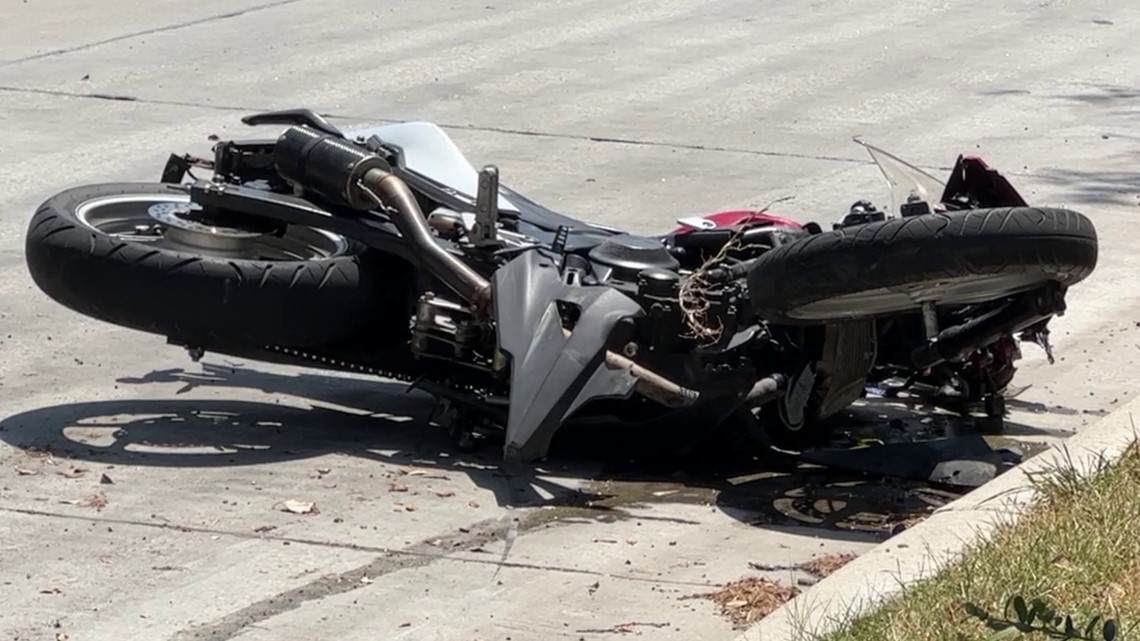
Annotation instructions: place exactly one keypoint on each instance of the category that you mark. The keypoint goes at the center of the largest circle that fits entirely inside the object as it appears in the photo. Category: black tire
(963, 257)
(193, 297)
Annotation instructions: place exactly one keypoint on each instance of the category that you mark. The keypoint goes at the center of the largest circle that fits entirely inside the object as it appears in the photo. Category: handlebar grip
(325, 164)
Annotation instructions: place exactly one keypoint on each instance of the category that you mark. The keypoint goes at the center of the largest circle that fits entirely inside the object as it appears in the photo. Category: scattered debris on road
(424, 473)
(964, 461)
(105, 480)
(624, 628)
(299, 507)
(97, 500)
(750, 599)
(826, 565)
(22, 471)
(72, 472)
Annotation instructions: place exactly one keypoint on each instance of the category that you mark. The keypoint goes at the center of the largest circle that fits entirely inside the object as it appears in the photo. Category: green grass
(1077, 549)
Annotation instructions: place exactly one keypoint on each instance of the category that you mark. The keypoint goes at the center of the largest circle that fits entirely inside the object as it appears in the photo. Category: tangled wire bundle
(693, 293)
(693, 297)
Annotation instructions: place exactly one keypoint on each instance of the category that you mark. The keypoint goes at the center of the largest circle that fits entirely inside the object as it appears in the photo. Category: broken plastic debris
(299, 507)
(97, 500)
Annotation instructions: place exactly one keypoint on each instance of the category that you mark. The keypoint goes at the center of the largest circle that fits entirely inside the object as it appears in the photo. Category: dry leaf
(397, 487)
(410, 508)
(261, 529)
(51, 591)
(414, 472)
(826, 565)
(750, 599)
(631, 541)
(72, 472)
(443, 494)
(299, 507)
(323, 470)
(473, 503)
(25, 472)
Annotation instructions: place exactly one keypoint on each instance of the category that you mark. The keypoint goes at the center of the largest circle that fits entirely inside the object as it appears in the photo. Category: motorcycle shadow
(595, 471)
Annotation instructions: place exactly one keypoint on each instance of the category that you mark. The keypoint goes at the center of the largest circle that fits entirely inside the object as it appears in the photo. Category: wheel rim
(891, 300)
(174, 222)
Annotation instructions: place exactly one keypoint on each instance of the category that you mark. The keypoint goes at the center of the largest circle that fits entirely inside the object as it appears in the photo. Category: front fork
(1028, 314)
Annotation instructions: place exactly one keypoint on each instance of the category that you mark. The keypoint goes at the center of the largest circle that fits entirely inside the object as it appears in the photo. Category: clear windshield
(905, 180)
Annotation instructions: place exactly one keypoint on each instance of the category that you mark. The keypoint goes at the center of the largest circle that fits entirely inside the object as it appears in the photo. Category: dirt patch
(750, 599)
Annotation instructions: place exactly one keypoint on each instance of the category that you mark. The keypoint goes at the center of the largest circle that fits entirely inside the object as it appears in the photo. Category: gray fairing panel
(552, 375)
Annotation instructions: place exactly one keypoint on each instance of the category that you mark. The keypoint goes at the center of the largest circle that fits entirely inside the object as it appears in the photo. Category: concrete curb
(920, 552)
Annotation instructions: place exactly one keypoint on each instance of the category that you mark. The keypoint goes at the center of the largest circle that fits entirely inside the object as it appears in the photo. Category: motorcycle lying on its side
(384, 251)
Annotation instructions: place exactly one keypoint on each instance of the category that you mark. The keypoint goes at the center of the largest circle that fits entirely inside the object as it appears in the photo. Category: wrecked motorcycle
(385, 251)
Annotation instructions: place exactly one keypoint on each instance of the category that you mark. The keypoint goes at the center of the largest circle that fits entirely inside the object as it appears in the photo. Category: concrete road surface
(631, 113)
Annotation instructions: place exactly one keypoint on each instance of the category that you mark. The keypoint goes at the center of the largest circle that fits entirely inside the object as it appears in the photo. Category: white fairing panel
(430, 152)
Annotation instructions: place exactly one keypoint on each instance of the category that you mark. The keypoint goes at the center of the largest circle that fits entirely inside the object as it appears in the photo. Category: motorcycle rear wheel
(893, 266)
(103, 251)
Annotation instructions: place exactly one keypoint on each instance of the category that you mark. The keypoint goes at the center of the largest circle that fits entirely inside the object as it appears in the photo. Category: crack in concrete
(414, 551)
(328, 585)
(502, 130)
(418, 555)
(147, 32)
(464, 127)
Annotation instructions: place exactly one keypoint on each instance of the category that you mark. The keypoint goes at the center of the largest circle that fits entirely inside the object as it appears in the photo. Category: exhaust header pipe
(344, 173)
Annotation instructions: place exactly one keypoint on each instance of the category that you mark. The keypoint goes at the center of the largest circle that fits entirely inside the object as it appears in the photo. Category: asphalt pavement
(143, 496)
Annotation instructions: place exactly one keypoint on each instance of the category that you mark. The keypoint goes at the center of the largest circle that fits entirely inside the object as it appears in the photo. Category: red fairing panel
(737, 217)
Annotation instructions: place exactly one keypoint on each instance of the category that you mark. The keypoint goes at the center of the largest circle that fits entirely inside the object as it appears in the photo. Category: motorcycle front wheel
(894, 266)
(141, 256)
